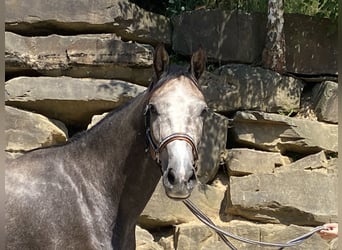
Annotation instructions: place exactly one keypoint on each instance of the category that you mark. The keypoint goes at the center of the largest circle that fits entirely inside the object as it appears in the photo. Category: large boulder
(279, 133)
(102, 56)
(325, 101)
(226, 36)
(25, 131)
(311, 47)
(71, 100)
(320, 102)
(290, 196)
(243, 87)
(127, 20)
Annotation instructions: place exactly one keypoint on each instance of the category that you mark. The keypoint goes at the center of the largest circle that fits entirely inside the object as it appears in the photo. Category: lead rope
(202, 217)
(206, 220)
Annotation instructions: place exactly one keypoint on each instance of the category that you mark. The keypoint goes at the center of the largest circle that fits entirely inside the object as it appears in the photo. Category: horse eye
(204, 111)
(153, 109)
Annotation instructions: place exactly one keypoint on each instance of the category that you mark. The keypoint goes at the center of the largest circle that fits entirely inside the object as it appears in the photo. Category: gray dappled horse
(89, 192)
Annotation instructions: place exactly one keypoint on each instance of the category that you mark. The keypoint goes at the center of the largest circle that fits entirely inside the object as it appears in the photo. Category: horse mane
(111, 113)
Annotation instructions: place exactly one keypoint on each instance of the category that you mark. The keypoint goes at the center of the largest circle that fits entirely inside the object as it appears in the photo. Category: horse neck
(109, 144)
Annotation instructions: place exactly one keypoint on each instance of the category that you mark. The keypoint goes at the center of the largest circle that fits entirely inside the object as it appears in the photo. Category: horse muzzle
(179, 186)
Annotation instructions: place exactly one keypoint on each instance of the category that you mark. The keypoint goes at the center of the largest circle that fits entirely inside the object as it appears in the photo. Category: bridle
(156, 148)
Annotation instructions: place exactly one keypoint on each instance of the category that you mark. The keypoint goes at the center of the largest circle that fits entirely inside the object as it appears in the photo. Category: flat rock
(102, 56)
(127, 20)
(244, 161)
(313, 162)
(279, 133)
(71, 100)
(291, 196)
(25, 131)
(243, 87)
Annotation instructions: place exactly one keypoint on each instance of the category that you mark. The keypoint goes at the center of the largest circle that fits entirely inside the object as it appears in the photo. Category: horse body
(89, 193)
(72, 196)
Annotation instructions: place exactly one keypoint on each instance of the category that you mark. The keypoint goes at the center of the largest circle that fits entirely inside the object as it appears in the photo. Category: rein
(203, 218)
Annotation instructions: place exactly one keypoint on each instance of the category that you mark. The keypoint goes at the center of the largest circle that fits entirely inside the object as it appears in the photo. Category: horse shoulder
(46, 207)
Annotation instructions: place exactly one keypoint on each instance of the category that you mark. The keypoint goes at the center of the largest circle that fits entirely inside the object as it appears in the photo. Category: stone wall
(268, 158)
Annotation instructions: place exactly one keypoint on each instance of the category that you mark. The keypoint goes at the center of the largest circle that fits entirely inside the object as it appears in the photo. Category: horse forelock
(175, 71)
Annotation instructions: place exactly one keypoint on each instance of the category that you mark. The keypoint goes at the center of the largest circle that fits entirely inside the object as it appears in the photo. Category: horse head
(174, 121)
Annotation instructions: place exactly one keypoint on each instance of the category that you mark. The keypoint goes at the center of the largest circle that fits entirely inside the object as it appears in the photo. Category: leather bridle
(156, 148)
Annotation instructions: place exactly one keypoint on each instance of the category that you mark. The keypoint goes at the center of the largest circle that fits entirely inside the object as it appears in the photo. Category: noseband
(156, 149)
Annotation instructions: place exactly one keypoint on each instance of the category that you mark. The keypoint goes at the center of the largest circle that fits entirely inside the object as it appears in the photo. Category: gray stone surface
(242, 87)
(103, 56)
(70, 100)
(311, 47)
(279, 133)
(226, 36)
(127, 20)
(325, 101)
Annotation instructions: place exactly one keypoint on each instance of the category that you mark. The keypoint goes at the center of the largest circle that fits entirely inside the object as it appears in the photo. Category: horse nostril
(171, 177)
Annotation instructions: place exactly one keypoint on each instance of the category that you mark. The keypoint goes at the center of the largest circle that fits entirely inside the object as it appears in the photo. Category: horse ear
(198, 61)
(160, 60)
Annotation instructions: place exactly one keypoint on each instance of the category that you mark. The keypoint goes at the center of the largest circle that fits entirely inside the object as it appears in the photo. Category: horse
(89, 192)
